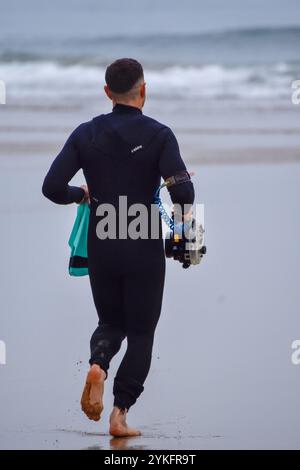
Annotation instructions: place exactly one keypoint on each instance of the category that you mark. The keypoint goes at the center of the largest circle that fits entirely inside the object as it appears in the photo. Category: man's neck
(134, 104)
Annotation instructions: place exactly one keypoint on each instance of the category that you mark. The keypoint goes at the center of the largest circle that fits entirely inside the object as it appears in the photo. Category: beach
(222, 375)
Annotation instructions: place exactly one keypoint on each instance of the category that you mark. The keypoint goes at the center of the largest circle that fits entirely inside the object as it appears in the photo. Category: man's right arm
(171, 164)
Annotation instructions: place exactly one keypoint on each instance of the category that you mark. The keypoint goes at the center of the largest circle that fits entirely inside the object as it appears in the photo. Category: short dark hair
(123, 74)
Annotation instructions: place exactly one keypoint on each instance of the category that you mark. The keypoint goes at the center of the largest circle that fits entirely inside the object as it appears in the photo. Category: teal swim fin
(78, 265)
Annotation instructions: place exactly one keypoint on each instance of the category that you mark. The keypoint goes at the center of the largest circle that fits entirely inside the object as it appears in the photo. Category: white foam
(50, 79)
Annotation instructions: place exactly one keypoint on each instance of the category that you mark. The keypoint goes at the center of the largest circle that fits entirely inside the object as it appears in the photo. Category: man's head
(125, 82)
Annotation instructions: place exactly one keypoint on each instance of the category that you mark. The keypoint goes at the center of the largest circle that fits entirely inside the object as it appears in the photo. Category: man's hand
(86, 197)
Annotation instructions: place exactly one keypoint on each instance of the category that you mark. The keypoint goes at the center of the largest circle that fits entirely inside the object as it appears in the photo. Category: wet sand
(208, 134)
(221, 374)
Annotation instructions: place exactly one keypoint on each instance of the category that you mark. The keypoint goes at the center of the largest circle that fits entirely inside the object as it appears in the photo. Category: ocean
(57, 53)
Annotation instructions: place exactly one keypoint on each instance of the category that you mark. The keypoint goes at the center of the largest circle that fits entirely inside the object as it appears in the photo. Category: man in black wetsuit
(122, 153)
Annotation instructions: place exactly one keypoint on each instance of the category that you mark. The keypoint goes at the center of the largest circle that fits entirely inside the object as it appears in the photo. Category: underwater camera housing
(185, 243)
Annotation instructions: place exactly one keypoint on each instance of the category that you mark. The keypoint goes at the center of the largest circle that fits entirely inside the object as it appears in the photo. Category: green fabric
(78, 271)
(78, 239)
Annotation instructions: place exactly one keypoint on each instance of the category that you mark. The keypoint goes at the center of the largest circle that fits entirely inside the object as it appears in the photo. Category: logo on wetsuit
(139, 147)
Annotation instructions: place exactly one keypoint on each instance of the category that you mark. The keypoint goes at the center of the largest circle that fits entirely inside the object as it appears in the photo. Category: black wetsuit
(121, 153)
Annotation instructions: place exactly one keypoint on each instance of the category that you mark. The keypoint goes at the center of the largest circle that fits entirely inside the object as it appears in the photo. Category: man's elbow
(51, 191)
(46, 189)
(183, 194)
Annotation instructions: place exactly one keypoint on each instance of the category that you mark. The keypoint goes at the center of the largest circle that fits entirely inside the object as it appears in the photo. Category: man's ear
(143, 90)
(107, 91)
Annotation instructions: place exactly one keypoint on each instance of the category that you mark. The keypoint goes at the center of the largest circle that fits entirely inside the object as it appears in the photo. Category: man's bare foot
(118, 426)
(92, 396)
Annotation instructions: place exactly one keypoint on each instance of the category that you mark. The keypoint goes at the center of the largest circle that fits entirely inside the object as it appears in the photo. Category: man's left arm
(64, 167)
